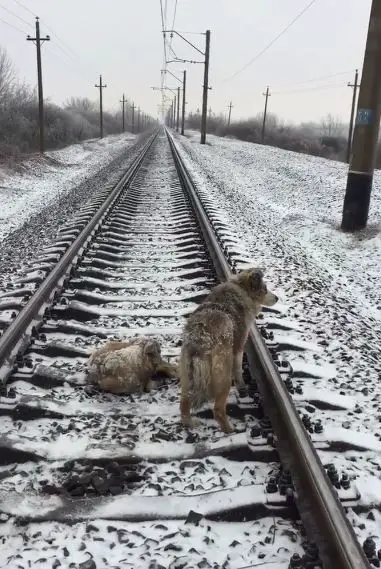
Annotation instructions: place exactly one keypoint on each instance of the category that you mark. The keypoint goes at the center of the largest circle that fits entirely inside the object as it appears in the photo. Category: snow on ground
(47, 192)
(286, 209)
(40, 181)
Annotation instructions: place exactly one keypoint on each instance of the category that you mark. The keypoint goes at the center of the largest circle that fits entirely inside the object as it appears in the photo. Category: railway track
(91, 480)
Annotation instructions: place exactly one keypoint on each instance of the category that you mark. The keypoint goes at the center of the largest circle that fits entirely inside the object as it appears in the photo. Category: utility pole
(133, 117)
(123, 101)
(267, 95)
(350, 133)
(138, 119)
(230, 106)
(38, 41)
(183, 109)
(178, 109)
(365, 134)
(205, 87)
(101, 86)
(174, 112)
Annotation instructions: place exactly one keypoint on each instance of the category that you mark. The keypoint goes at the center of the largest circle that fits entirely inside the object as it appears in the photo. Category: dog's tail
(196, 376)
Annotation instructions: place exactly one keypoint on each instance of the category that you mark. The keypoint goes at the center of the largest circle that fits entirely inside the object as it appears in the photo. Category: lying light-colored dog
(127, 367)
(213, 342)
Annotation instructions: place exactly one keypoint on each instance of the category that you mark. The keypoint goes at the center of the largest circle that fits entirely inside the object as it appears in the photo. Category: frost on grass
(40, 181)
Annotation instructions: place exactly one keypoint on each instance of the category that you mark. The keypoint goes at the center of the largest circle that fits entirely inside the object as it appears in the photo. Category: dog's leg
(238, 379)
(222, 371)
(220, 411)
(185, 398)
(186, 418)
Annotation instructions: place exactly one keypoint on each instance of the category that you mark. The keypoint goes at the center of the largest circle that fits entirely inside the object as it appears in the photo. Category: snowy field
(286, 209)
(40, 181)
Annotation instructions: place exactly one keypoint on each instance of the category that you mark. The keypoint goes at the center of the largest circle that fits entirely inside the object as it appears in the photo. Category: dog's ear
(255, 279)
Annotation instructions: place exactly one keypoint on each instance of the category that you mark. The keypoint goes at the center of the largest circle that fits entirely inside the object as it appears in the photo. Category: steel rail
(318, 504)
(17, 335)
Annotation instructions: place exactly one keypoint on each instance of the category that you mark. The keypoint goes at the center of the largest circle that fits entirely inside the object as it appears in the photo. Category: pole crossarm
(185, 39)
(173, 75)
(172, 89)
(178, 60)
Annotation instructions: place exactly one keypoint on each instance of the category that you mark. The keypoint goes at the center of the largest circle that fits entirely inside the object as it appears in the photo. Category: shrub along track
(96, 480)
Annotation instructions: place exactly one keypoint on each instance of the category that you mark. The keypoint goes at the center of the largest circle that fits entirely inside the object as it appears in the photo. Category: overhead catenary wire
(173, 25)
(280, 34)
(163, 13)
(163, 24)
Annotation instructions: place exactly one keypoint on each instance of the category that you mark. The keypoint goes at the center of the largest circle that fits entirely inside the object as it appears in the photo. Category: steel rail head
(318, 503)
(18, 333)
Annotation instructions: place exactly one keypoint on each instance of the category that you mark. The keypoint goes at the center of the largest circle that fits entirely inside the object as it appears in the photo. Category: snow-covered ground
(286, 209)
(40, 181)
(44, 193)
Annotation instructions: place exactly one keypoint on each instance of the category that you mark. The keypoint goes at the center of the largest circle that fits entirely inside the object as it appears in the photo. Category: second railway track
(91, 480)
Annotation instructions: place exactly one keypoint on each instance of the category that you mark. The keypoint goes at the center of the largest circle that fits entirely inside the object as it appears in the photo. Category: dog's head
(251, 280)
(152, 351)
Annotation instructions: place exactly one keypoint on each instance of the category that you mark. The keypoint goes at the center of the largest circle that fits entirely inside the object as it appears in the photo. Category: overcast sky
(122, 40)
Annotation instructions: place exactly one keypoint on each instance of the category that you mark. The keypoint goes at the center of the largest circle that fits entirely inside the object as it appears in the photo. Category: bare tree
(272, 120)
(7, 73)
(81, 104)
(331, 126)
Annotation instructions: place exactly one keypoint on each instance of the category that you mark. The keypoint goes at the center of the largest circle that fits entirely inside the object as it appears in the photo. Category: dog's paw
(228, 429)
(189, 422)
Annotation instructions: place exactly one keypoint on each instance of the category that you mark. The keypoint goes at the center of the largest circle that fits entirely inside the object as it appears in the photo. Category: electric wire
(267, 47)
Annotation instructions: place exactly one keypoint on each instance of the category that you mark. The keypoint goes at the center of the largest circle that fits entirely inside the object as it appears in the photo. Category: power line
(317, 88)
(24, 7)
(12, 26)
(64, 47)
(325, 77)
(15, 15)
(72, 55)
(281, 33)
(48, 48)
(312, 80)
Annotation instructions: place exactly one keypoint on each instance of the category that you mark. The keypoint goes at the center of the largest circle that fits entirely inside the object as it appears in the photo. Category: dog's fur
(127, 367)
(213, 342)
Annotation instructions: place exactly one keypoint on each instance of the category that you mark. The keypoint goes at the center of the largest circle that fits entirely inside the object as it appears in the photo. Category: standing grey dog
(213, 342)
